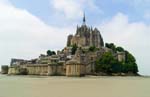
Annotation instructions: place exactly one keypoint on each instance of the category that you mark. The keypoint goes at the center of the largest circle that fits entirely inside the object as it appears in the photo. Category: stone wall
(37, 69)
(75, 70)
(13, 70)
(55, 70)
(90, 68)
(79, 41)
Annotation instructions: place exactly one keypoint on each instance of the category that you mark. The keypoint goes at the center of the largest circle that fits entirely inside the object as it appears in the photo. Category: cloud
(73, 9)
(147, 15)
(133, 36)
(23, 35)
(6, 2)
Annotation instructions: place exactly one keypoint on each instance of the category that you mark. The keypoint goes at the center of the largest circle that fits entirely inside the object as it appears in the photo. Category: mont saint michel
(74, 48)
(85, 53)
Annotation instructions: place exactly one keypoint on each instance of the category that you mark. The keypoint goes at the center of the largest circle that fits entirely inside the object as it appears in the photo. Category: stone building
(86, 37)
(4, 69)
(82, 63)
(44, 65)
(15, 62)
(121, 56)
(76, 66)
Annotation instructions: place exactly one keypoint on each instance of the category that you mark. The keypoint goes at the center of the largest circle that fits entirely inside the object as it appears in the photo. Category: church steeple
(84, 19)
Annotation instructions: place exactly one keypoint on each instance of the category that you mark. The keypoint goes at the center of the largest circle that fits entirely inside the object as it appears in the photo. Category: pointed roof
(84, 19)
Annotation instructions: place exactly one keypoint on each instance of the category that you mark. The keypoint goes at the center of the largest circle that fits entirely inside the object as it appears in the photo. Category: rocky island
(84, 54)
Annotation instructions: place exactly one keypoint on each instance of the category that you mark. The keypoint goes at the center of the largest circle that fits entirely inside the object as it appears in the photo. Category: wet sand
(32, 86)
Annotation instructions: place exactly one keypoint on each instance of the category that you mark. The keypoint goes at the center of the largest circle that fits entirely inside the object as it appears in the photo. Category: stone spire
(84, 19)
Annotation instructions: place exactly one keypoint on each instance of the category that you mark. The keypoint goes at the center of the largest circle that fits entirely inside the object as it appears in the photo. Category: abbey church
(86, 37)
(65, 62)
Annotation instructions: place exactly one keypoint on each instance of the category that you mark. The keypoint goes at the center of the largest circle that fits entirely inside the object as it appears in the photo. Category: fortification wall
(13, 70)
(40, 69)
(75, 70)
(55, 70)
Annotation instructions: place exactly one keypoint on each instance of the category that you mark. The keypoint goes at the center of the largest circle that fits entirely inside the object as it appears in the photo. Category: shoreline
(87, 76)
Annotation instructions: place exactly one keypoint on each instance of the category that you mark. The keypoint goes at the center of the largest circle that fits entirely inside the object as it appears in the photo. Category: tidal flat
(101, 86)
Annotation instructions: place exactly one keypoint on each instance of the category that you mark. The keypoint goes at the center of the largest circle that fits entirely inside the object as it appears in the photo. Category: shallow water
(33, 86)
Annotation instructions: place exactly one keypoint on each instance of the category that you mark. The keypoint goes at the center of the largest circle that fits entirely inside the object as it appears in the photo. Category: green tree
(111, 46)
(92, 48)
(130, 63)
(74, 48)
(53, 53)
(129, 57)
(49, 53)
(108, 64)
(120, 49)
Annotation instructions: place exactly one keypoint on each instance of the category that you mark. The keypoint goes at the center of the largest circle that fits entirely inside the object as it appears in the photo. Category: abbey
(76, 59)
(86, 37)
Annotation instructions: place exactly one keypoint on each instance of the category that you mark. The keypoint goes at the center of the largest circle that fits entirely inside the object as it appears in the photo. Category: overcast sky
(31, 27)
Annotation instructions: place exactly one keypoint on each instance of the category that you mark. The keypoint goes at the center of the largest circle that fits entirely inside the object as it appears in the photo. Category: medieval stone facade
(86, 37)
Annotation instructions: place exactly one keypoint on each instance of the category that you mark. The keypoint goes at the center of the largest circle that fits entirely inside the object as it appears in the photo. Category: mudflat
(34, 86)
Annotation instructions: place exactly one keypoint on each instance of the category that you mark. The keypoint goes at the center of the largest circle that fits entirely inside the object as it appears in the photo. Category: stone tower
(86, 37)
